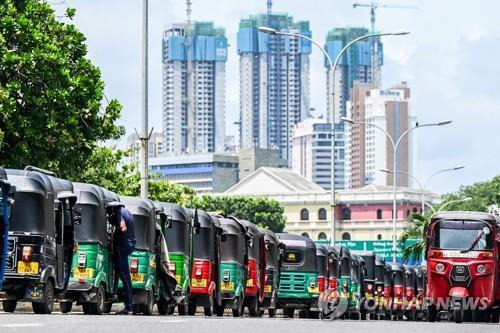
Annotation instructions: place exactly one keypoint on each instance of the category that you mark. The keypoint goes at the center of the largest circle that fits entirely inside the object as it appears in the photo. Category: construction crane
(375, 54)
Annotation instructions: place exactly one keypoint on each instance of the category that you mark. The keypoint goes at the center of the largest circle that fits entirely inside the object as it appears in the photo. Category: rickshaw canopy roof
(205, 219)
(465, 215)
(296, 241)
(252, 229)
(90, 194)
(176, 212)
(38, 182)
(395, 266)
(271, 237)
(233, 226)
(321, 250)
(138, 206)
(379, 261)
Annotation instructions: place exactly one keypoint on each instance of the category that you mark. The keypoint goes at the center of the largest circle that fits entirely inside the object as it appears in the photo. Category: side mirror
(196, 223)
(77, 215)
(168, 221)
(223, 236)
(163, 218)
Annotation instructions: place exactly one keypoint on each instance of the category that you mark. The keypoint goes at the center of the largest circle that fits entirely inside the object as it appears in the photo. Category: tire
(207, 310)
(192, 308)
(304, 314)
(97, 308)
(148, 308)
(183, 308)
(162, 306)
(47, 305)
(271, 312)
(137, 309)
(431, 313)
(495, 316)
(219, 310)
(237, 307)
(458, 315)
(65, 307)
(363, 314)
(289, 312)
(170, 309)
(87, 309)
(253, 306)
(107, 307)
(9, 305)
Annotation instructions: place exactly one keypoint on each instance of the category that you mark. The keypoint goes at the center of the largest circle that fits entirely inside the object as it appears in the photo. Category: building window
(346, 236)
(407, 213)
(321, 236)
(305, 234)
(346, 214)
(379, 214)
(414, 209)
(304, 214)
(322, 214)
(379, 237)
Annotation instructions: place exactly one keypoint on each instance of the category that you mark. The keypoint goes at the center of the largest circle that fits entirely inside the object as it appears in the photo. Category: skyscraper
(355, 64)
(274, 82)
(194, 94)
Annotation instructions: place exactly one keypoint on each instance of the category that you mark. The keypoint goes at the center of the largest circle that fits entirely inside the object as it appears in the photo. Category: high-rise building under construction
(274, 81)
(194, 84)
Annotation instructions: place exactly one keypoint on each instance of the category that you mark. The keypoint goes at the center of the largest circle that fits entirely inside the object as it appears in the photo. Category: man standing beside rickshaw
(123, 246)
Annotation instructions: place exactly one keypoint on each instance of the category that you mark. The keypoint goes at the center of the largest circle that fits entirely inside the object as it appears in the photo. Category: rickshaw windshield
(93, 225)
(293, 257)
(345, 269)
(271, 256)
(333, 265)
(461, 235)
(31, 213)
(387, 278)
(141, 232)
(398, 278)
(410, 280)
(379, 273)
(203, 244)
(321, 262)
(232, 248)
(176, 237)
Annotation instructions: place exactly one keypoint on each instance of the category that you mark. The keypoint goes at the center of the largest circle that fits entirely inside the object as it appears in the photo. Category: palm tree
(418, 223)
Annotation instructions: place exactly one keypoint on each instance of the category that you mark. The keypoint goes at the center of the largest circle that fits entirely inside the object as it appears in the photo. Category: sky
(449, 60)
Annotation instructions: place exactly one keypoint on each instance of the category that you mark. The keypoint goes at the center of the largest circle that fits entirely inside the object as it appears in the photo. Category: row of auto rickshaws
(56, 246)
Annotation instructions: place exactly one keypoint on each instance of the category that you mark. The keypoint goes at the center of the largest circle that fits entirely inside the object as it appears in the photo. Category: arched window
(407, 213)
(346, 213)
(346, 236)
(321, 236)
(379, 214)
(379, 237)
(304, 214)
(305, 234)
(415, 209)
(322, 214)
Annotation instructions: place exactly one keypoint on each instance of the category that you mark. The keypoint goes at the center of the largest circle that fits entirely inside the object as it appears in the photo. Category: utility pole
(144, 135)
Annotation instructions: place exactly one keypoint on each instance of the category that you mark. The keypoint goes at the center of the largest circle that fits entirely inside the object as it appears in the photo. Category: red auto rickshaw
(410, 293)
(462, 265)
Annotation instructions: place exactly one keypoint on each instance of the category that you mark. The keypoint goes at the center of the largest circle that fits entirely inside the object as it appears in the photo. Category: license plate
(27, 267)
(250, 283)
(83, 273)
(268, 288)
(198, 283)
(229, 286)
(137, 277)
(313, 290)
(178, 278)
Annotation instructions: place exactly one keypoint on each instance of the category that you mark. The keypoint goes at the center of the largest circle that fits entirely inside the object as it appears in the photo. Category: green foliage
(106, 169)
(483, 194)
(264, 212)
(418, 222)
(50, 93)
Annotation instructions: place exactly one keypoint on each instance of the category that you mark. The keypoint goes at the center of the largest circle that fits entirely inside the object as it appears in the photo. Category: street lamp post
(333, 66)
(395, 146)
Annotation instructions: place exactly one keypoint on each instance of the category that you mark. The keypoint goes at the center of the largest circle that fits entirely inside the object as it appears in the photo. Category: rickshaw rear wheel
(47, 304)
(107, 307)
(207, 310)
(192, 308)
(170, 309)
(431, 313)
(219, 310)
(137, 309)
(9, 305)
(97, 308)
(162, 306)
(65, 307)
(271, 312)
(253, 306)
(86, 308)
(182, 308)
(495, 316)
(238, 307)
(148, 308)
(289, 312)
(458, 315)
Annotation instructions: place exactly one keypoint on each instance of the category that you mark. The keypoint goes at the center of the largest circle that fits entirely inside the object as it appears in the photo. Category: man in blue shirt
(123, 246)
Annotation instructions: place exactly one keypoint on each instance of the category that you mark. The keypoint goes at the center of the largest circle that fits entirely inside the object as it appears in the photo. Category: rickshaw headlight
(82, 259)
(370, 287)
(440, 268)
(313, 283)
(481, 269)
(226, 276)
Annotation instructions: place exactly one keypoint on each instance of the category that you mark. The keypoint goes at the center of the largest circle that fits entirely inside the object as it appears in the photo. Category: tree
(482, 194)
(418, 223)
(266, 213)
(50, 93)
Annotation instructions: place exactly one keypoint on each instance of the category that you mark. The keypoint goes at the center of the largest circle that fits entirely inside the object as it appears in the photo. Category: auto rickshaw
(91, 283)
(385, 309)
(379, 287)
(344, 282)
(298, 286)
(234, 266)
(41, 240)
(421, 291)
(256, 275)
(368, 307)
(205, 286)
(462, 264)
(143, 260)
(179, 241)
(398, 290)
(272, 272)
(322, 268)
(6, 194)
(410, 309)
(357, 281)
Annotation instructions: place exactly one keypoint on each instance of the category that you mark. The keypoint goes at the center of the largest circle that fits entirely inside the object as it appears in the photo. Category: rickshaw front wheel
(272, 312)
(65, 307)
(182, 308)
(46, 306)
(192, 308)
(147, 309)
(431, 313)
(9, 305)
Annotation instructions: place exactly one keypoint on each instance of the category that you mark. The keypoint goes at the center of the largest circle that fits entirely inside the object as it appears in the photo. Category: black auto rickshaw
(179, 241)
(298, 286)
(233, 267)
(385, 307)
(41, 240)
(398, 290)
(205, 286)
(92, 280)
(254, 289)
(410, 301)
(329, 299)
(358, 274)
(322, 254)
(272, 272)
(368, 285)
(379, 286)
(344, 283)
(6, 196)
(421, 291)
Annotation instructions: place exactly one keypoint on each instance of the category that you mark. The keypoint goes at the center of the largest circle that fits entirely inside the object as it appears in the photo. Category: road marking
(21, 325)
(173, 321)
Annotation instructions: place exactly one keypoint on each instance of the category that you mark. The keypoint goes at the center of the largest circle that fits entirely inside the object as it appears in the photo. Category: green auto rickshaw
(233, 267)
(143, 260)
(298, 285)
(91, 283)
(179, 238)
